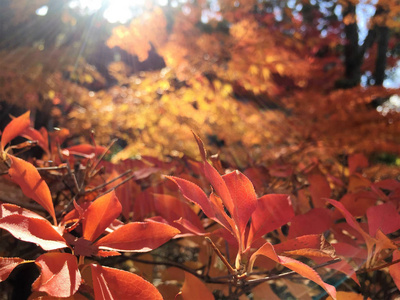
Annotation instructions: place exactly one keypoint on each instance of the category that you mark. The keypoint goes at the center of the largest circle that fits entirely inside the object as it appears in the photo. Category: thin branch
(378, 267)
(108, 182)
(102, 156)
(119, 184)
(223, 259)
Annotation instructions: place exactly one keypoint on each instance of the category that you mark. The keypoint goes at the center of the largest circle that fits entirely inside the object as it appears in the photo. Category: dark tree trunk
(380, 64)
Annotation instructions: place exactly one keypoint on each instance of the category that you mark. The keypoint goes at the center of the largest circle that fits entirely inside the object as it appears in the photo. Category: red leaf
(33, 230)
(7, 264)
(172, 209)
(194, 289)
(99, 215)
(356, 203)
(268, 250)
(354, 224)
(273, 211)
(394, 270)
(113, 284)
(384, 217)
(215, 178)
(32, 184)
(14, 129)
(243, 197)
(315, 221)
(357, 162)
(59, 275)
(138, 237)
(319, 189)
(194, 194)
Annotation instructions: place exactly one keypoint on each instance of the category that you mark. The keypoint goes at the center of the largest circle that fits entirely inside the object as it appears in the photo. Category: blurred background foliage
(260, 81)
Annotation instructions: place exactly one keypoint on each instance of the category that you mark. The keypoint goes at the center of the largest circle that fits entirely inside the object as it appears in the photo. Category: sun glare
(120, 11)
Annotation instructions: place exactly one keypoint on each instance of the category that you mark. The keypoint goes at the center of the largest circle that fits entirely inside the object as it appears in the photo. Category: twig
(108, 182)
(378, 267)
(223, 259)
(119, 184)
(102, 156)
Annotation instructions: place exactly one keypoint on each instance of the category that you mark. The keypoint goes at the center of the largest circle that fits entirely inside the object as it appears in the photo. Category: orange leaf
(138, 237)
(59, 275)
(33, 230)
(348, 296)
(268, 250)
(32, 184)
(194, 289)
(110, 284)
(99, 215)
(14, 129)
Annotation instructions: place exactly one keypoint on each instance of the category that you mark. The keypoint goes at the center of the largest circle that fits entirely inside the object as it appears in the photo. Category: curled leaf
(60, 276)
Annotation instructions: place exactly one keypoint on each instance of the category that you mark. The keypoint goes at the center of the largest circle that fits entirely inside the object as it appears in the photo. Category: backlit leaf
(14, 129)
(243, 196)
(113, 284)
(99, 215)
(138, 237)
(59, 275)
(32, 184)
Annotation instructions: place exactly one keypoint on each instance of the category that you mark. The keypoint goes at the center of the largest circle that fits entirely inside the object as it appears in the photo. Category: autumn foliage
(218, 150)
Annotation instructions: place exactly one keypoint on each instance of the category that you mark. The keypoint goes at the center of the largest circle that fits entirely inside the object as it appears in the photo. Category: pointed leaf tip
(14, 129)
(99, 215)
